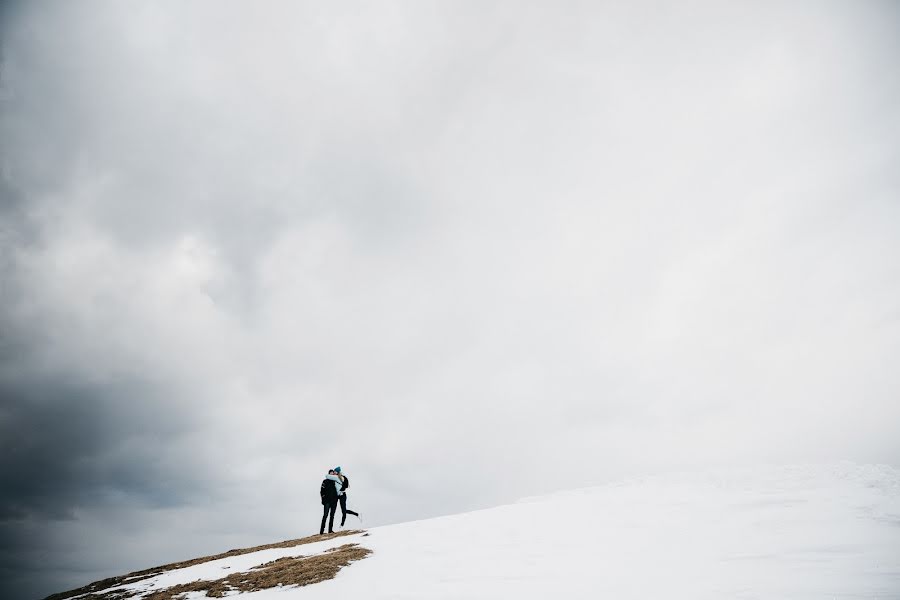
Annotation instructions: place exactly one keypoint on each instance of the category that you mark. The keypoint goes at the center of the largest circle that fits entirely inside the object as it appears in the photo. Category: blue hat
(337, 469)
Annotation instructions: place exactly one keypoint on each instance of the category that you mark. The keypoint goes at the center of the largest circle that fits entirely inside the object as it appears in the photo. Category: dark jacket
(328, 492)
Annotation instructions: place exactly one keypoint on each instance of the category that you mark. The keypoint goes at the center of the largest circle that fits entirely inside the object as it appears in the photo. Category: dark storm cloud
(67, 445)
(70, 447)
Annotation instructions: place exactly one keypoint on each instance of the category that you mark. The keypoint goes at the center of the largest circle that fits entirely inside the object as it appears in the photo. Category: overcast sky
(470, 251)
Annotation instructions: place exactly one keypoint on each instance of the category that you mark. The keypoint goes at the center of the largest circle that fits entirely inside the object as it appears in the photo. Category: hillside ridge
(798, 532)
(286, 570)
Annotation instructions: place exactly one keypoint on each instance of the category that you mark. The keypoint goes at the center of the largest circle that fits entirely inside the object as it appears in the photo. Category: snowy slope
(787, 532)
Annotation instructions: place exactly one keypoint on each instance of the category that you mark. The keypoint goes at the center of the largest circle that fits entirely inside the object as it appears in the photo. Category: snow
(787, 532)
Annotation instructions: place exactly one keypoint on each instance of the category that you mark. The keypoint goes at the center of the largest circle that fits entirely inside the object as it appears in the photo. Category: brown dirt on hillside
(290, 570)
(96, 589)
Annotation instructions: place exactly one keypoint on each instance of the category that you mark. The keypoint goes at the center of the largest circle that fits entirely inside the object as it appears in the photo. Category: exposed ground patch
(309, 572)
(289, 570)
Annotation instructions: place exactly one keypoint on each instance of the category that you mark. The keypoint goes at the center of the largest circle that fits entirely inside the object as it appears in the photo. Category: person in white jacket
(342, 497)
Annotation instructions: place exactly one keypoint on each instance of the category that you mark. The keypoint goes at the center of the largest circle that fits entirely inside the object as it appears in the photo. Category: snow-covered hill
(786, 532)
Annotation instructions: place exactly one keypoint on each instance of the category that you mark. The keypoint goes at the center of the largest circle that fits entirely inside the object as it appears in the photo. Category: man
(342, 497)
(330, 490)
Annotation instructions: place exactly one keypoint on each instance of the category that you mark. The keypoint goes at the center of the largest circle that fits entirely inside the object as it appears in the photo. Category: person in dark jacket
(342, 497)
(331, 488)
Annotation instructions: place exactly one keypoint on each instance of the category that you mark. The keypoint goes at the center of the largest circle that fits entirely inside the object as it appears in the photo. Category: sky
(468, 251)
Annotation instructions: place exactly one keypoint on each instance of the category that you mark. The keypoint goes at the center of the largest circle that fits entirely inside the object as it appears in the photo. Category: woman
(342, 497)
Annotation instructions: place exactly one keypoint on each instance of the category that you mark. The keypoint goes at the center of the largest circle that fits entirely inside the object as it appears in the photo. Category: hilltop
(782, 532)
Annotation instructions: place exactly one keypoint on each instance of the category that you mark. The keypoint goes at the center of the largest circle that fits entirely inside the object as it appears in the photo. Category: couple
(334, 490)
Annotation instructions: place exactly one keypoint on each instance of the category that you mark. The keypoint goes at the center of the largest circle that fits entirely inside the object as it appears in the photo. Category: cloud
(470, 253)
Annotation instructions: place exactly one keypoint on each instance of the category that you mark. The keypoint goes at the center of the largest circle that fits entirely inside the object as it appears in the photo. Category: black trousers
(344, 511)
(329, 507)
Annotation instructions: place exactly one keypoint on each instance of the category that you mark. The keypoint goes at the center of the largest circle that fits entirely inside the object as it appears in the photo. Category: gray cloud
(471, 253)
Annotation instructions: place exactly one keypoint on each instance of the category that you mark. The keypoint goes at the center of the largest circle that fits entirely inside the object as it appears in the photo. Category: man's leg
(331, 522)
(324, 516)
